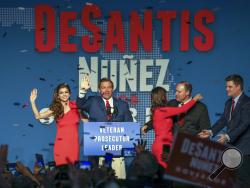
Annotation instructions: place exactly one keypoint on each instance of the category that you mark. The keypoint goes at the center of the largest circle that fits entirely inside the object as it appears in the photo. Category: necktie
(232, 108)
(108, 109)
(181, 119)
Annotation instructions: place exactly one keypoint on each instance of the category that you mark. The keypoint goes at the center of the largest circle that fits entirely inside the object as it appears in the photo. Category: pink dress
(163, 127)
(67, 141)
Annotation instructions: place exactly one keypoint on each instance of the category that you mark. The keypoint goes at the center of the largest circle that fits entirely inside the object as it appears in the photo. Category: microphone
(111, 112)
(108, 111)
(115, 110)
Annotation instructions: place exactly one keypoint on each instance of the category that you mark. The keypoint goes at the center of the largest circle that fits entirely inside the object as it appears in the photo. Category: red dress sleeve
(173, 111)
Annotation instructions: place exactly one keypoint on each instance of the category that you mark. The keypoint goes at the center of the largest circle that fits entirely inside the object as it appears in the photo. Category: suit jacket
(94, 106)
(238, 128)
(196, 118)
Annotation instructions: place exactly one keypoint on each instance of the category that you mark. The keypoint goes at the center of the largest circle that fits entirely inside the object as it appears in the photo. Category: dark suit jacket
(196, 119)
(238, 128)
(95, 108)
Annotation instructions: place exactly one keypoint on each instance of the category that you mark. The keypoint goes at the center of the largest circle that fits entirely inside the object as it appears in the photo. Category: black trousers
(242, 174)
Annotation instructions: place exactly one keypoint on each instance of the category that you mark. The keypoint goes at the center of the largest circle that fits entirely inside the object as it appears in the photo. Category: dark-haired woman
(163, 122)
(66, 115)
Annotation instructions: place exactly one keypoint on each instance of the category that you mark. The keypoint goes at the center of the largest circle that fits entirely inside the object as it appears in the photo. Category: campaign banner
(100, 138)
(192, 160)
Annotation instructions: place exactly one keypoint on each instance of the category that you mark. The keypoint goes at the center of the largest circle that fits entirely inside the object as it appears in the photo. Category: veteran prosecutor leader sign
(109, 137)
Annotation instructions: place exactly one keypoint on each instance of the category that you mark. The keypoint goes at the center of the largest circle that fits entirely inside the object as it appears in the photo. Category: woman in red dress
(65, 112)
(163, 122)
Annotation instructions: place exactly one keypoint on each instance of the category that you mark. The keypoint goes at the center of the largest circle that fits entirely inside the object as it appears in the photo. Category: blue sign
(100, 138)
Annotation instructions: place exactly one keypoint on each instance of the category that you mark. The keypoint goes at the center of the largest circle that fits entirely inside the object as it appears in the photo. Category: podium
(100, 138)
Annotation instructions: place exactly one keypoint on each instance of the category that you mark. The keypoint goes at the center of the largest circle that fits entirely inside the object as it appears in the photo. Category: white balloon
(48, 120)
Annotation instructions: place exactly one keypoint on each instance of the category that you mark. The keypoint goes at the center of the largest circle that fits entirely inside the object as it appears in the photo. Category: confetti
(16, 103)
(30, 125)
(43, 29)
(4, 35)
(25, 105)
(100, 22)
(149, 8)
(42, 79)
(23, 51)
(189, 62)
(134, 100)
(218, 114)
(128, 56)
(20, 8)
(87, 3)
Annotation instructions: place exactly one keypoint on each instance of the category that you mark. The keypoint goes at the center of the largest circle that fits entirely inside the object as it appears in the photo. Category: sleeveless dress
(163, 127)
(67, 142)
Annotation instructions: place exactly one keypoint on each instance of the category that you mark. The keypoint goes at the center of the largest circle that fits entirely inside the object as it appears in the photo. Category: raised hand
(85, 83)
(140, 147)
(33, 95)
(198, 97)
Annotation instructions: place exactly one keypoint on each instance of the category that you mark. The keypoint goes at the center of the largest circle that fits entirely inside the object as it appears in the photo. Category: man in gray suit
(236, 119)
(195, 120)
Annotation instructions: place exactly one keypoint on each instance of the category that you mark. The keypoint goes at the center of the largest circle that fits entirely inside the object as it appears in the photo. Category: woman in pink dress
(163, 122)
(66, 115)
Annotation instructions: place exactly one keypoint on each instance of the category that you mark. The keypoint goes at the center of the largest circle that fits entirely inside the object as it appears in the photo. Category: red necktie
(181, 120)
(108, 108)
(232, 108)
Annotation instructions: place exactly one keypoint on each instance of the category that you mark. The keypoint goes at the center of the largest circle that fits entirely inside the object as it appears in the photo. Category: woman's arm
(173, 111)
(38, 115)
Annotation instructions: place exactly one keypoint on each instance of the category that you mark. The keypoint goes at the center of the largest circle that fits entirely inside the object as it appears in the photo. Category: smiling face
(181, 94)
(63, 94)
(106, 89)
(233, 90)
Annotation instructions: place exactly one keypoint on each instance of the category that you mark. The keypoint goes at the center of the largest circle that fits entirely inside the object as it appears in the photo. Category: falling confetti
(23, 51)
(4, 34)
(20, 8)
(42, 79)
(25, 105)
(16, 103)
(30, 125)
(134, 100)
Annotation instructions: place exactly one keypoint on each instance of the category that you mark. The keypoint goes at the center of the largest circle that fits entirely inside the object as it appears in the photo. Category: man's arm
(220, 123)
(217, 127)
(204, 121)
(128, 115)
(241, 126)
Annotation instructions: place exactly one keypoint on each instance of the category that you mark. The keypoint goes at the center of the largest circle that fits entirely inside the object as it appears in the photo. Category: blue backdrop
(22, 68)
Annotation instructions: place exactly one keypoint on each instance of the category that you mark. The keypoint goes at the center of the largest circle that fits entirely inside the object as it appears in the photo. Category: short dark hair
(236, 79)
(188, 86)
(105, 80)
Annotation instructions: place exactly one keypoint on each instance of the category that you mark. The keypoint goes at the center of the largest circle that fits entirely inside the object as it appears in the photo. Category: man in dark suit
(236, 119)
(104, 108)
(195, 120)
